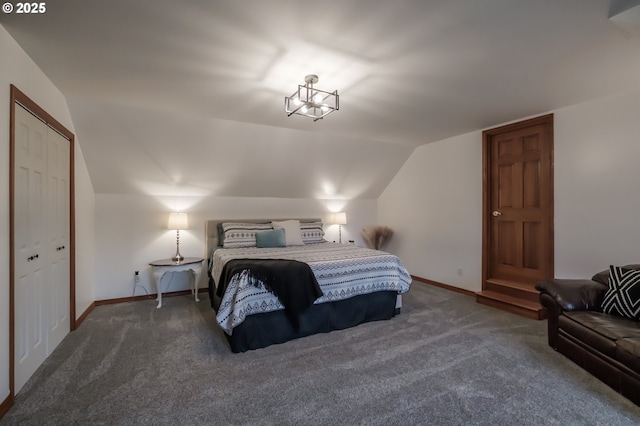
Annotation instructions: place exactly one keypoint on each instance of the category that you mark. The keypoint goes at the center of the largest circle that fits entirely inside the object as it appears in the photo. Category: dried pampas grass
(376, 237)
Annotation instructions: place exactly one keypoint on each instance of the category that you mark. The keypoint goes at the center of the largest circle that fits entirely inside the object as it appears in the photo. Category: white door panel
(30, 170)
(58, 245)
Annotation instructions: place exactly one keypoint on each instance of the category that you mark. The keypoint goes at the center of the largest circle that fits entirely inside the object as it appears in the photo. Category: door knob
(496, 213)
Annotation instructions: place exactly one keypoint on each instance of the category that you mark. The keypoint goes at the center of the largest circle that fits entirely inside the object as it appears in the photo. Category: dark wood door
(518, 217)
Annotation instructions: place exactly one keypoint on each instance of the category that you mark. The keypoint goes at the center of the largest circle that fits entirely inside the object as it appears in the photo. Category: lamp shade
(178, 221)
(340, 218)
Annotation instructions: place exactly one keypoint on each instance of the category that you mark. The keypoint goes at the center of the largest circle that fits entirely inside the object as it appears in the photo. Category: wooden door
(30, 291)
(518, 203)
(58, 324)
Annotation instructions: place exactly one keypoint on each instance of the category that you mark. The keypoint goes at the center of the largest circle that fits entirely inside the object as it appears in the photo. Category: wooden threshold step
(512, 284)
(519, 290)
(511, 304)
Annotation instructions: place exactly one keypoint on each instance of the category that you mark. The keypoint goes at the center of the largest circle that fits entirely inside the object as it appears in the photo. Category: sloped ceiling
(186, 97)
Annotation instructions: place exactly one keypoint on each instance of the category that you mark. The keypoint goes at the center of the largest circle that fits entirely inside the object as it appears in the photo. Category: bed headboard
(211, 229)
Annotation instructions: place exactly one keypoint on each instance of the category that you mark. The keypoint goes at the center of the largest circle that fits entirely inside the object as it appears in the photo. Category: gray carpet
(444, 360)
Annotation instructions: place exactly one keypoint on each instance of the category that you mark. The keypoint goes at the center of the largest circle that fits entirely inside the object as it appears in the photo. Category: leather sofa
(607, 346)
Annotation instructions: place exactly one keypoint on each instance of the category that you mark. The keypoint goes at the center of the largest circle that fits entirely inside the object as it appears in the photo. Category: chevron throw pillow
(623, 296)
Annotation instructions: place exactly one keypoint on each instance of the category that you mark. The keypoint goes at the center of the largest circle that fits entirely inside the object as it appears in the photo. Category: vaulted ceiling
(186, 97)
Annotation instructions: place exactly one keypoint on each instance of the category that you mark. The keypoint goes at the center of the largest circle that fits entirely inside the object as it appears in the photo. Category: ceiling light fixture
(311, 102)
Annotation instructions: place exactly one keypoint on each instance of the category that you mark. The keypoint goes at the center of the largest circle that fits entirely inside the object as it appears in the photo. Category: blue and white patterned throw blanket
(342, 271)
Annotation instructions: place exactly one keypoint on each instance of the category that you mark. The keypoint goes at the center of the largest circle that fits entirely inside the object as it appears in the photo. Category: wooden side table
(193, 265)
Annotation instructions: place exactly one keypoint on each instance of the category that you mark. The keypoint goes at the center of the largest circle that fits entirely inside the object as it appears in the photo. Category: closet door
(30, 292)
(57, 224)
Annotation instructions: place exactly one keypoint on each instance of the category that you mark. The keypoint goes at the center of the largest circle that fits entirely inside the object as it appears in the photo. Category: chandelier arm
(295, 111)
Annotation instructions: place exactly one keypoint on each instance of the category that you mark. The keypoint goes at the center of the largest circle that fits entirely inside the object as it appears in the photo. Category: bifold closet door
(41, 243)
(30, 291)
(57, 224)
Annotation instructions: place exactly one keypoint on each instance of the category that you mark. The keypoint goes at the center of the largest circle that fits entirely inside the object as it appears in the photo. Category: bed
(275, 280)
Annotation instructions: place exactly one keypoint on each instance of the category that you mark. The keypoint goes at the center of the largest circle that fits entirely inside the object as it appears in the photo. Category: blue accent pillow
(274, 238)
(220, 234)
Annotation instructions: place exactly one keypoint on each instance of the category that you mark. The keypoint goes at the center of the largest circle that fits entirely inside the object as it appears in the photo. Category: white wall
(597, 176)
(434, 203)
(18, 69)
(85, 235)
(131, 231)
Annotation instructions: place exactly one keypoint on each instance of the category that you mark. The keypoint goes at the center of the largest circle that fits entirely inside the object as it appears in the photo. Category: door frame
(486, 188)
(19, 97)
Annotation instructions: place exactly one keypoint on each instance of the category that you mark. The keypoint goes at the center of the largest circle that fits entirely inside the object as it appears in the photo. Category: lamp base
(178, 257)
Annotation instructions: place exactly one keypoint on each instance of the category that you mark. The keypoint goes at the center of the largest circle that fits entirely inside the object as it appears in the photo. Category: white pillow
(292, 234)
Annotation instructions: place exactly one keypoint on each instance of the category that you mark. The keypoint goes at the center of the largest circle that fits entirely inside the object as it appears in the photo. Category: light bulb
(296, 101)
(324, 108)
(304, 109)
(317, 98)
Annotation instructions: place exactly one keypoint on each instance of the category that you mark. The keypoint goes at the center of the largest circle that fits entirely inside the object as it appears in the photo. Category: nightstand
(192, 265)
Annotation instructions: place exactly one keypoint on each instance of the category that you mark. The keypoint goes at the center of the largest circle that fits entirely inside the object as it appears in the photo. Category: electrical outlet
(136, 275)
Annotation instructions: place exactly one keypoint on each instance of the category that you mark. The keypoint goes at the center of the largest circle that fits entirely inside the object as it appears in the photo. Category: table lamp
(340, 219)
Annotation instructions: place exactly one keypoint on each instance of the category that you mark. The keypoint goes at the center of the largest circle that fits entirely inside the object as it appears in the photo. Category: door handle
(496, 213)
